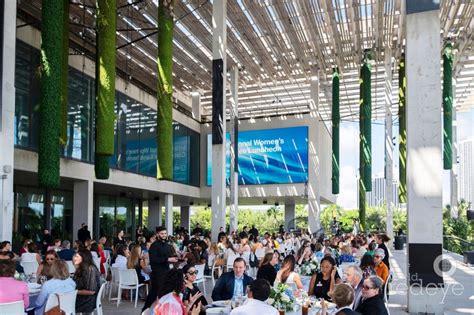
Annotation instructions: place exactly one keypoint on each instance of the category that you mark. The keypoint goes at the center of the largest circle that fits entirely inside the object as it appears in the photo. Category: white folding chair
(12, 308)
(114, 282)
(97, 262)
(51, 302)
(385, 291)
(98, 302)
(200, 276)
(230, 261)
(128, 279)
(29, 267)
(147, 312)
(67, 302)
(70, 267)
(211, 263)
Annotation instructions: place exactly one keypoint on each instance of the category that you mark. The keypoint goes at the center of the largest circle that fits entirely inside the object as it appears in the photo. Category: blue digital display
(270, 156)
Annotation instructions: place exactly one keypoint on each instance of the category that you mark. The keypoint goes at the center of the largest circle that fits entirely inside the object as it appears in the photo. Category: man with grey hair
(353, 277)
(66, 252)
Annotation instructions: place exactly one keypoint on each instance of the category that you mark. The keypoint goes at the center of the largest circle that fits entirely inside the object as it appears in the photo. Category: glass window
(61, 215)
(106, 211)
(80, 116)
(124, 216)
(26, 96)
(148, 152)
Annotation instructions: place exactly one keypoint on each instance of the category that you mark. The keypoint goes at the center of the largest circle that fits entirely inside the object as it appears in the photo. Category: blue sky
(349, 155)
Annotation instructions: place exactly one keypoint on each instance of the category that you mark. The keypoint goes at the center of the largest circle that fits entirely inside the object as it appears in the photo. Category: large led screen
(270, 156)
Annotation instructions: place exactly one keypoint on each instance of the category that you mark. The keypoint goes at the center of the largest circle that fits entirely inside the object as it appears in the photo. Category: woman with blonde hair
(136, 262)
(60, 282)
(43, 268)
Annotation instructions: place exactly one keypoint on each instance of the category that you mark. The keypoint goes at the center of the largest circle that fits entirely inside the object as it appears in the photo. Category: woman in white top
(122, 257)
(287, 273)
(244, 246)
(32, 254)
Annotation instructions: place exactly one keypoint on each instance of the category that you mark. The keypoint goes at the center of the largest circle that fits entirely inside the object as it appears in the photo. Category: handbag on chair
(56, 310)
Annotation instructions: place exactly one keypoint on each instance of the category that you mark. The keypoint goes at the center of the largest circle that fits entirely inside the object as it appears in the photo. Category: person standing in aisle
(160, 254)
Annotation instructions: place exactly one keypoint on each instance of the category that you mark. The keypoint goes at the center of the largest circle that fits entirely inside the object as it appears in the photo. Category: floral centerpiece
(281, 297)
(310, 267)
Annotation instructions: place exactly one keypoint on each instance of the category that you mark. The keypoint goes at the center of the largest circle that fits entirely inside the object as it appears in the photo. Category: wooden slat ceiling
(278, 45)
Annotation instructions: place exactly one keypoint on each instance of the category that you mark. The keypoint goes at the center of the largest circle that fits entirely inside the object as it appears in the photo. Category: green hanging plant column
(50, 71)
(362, 206)
(165, 90)
(365, 125)
(402, 133)
(448, 107)
(105, 98)
(64, 76)
(336, 119)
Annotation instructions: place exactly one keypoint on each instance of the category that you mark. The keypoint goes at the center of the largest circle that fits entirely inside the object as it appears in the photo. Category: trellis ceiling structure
(278, 45)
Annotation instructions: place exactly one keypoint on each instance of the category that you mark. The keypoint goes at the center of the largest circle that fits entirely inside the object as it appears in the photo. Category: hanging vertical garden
(336, 119)
(402, 132)
(64, 75)
(165, 90)
(50, 107)
(105, 76)
(365, 141)
(448, 107)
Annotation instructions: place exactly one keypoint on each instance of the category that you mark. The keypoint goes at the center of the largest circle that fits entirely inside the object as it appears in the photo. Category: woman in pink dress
(169, 302)
(12, 290)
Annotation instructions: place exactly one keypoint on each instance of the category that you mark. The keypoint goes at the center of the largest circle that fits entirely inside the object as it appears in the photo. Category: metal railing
(456, 244)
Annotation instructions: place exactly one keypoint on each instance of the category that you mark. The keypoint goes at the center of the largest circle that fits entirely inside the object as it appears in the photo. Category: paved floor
(456, 301)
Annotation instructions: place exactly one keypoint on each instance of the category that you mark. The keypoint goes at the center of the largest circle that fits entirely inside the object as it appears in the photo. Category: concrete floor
(453, 304)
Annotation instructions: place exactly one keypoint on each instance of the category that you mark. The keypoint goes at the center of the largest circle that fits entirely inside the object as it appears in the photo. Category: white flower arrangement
(281, 297)
(310, 267)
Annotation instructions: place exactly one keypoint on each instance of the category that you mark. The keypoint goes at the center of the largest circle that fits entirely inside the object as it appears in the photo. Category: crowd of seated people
(365, 258)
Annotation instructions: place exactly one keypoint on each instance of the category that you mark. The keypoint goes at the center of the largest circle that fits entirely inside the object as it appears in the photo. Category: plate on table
(217, 310)
(223, 303)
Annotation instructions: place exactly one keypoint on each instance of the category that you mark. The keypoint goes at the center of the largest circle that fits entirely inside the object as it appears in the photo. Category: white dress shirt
(254, 307)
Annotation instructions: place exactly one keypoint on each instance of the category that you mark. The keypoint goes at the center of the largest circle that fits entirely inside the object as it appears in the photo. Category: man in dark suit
(354, 279)
(233, 283)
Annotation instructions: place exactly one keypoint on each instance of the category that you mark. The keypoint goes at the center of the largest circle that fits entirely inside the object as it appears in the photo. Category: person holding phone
(191, 289)
(325, 280)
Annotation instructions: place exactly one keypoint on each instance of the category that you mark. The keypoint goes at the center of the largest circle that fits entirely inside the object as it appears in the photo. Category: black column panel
(218, 132)
(420, 264)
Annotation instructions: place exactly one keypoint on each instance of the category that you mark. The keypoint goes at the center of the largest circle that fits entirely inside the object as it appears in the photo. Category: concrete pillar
(314, 140)
(169, 213)
(196, 105)
(290, 214)
(83, 206)
(453, 173)
(155, 214)
(7, 117)
(234, 149)
(219, 75)
(424, 157)
(185, 218)
(388, 144)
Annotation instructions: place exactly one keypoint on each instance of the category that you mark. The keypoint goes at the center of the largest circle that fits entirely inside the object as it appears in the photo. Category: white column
(219, 39)
(290, 214)
(169, 213)
(83, 206)
(314, 136)
(234, 133)
(424, 156)
(388, 144)
(7, 117)
(185, 222)
(453, 173)
(196, 105)
(155, 214)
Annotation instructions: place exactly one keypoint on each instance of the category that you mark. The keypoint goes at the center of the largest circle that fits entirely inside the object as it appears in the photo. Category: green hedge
(164, 128)
(448, 107)
(402, 132)
(105, 115)
(64, 76)
(50, 69)
(101, 166)
(366, 126)
(336, 119)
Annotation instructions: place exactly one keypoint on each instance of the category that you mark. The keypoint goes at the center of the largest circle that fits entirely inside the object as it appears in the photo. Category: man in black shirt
(160, 259)
(198, 230)
(83, 233)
